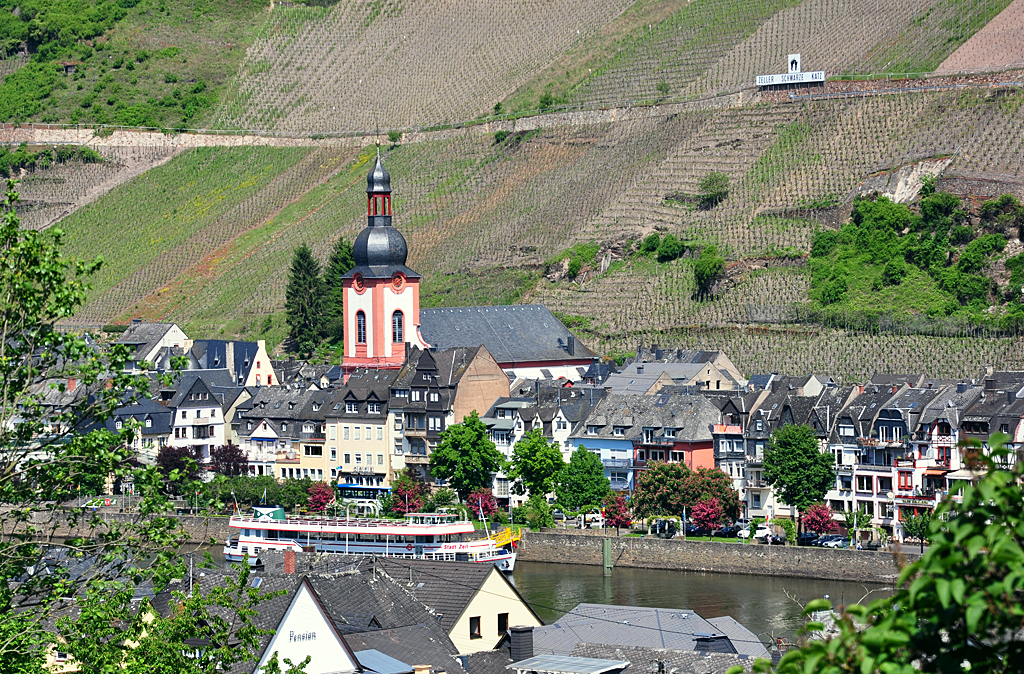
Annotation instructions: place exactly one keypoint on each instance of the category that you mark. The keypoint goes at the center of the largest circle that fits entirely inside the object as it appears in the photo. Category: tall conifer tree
(304, 300)
(339, 264)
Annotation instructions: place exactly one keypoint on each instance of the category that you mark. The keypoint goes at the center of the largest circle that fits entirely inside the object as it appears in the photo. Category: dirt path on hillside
(999, 44)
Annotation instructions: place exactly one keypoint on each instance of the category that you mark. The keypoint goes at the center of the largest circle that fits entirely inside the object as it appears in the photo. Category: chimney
(289, 561)
(960, 388)
(639, 369)
(72, 385)
(572, 345)
(990, 384)
(521, 643)
(1010, 397)
(421, 669)
(861, 389)
(229, 357)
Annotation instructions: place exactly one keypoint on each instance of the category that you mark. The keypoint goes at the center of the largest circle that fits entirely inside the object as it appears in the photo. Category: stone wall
(677, 554)
(198, 529)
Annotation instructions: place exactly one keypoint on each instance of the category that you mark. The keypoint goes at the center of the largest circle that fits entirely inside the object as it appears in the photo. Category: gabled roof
(144, 336)
(677, 661)
(692, 416)
(422, 643)
(512, 334)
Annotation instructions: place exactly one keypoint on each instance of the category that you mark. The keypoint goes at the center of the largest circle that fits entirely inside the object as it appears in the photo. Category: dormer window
(117, 425)
(401, 393)
(351, 408)
(248, 426)
(759, 425)
(618, 431)
(373, 408)
(435, 397)
(415, 396)
(593, 430)
(648, 435)
(501, 414)
(670, 432)
(149, 423)
(284, 427)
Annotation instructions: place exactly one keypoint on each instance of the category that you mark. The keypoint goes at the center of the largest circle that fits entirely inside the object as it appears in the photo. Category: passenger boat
(435, 536)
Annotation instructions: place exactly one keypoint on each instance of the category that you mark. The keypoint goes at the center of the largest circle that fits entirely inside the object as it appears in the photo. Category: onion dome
(378, 180)
(380, 247)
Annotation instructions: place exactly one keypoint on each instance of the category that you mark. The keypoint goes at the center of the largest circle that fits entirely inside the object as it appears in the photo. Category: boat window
(272, 535)
(366, 538)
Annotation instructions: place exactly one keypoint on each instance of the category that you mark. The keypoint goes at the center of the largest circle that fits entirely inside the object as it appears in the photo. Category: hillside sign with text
(794, 76)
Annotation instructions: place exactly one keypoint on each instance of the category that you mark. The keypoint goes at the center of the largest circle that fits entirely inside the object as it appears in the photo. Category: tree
(339, 263)
(582, 481)
(48, 454)
(482, 503)
(917, 525)
(409, 492)
(320, 496)
(818, 518)
(671, 488)
(465, 456)
(184, 460)
(796, 468)
(856, 520)
(955, 605)
(670, 248)
(536, 513)
(535, 464)
(304, 303)
(709, 266)
(229, 460)
(616, 511)
(707, 514)
(714, 189)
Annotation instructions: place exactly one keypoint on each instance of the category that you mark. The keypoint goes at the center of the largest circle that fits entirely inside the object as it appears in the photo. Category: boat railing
(346, 522)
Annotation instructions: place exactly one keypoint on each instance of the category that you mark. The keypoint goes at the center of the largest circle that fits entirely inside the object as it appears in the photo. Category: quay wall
(752, 559)
(197, 528)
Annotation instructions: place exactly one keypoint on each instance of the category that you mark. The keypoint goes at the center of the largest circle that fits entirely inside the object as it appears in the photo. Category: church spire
(378, 195)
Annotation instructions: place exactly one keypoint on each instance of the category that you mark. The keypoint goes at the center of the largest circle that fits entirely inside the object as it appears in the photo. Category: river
(759, 603)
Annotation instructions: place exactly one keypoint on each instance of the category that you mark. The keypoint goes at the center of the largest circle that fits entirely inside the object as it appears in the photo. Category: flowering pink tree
(707, 514)
(482, 503)
(818, 518)
(407, 492)
(320, 496)
(616, 512)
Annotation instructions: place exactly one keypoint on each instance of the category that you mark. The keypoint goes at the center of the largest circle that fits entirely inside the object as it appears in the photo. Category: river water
(757, 602)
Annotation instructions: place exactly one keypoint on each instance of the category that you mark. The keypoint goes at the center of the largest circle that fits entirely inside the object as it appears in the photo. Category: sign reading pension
(790, 78)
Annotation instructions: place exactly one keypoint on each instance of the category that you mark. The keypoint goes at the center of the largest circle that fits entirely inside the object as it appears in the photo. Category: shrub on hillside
(708, 268)
(714, 189)
(670, 248)
(650, 243)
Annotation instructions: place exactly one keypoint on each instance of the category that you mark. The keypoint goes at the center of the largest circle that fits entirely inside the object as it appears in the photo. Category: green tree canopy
(304, 300)
(340, 263)
(714, 189)
(796, 468)
(535, 465)
(465, 456)
(669, 488)
(709, 266)
(582, 481)
(916, 525)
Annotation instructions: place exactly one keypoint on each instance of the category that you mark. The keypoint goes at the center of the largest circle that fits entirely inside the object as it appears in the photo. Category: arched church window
(397, 327)
(360, 328)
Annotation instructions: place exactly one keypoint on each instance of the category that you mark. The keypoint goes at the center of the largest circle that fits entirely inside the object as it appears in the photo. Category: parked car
(558, 516)
(761, 532)
(694, 530)
(726, 532)
(743, 523)
(827, 538)
(664, 528)
(807, 538)
(838, 542)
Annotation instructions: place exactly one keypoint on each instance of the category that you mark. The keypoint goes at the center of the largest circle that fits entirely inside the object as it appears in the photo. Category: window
(373, 408)
(398, 422)
(415, 396)
(592, 430)
(334, 454)
(884, 485)
(257, 365)
(434, 423)
(845, 482)
(401, 393)
(117, 425)
(759, 425)
(648, 435)
(670, 432)
(380, 432)
(755, 500)
(617, 431)
(332, 433)
(867, 507)
(435, 397)
(358, 435)
(397, 328)
(864, 483)
(184, 414)
(313, 450)
(502, 623)
(307, 428)
(359, 458)
(351, 408)
(369, 433)
(360, 327)
(284, 427)
(560, 425)
(270, 380)
(906, 480)
(348, 458)
(474, 628)
(380, 459)
(344, 433)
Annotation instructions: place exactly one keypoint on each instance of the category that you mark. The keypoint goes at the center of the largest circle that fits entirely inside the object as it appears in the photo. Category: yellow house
(475, 603)
(359, 437)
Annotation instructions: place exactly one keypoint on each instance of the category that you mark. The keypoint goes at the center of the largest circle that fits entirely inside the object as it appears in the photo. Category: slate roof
(144, 336)
(692, 416)
(565, 664)
(677, 661)
(646, 383)
(420, 644)
(161, 417)
(512, 334)
(212, 354)
(488, 662)
(743, 640)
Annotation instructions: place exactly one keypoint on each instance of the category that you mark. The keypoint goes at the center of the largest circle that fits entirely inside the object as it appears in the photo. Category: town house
(360, 439)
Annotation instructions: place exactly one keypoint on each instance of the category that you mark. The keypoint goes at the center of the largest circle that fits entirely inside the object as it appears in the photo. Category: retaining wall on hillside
(198, 529)
(752, 559)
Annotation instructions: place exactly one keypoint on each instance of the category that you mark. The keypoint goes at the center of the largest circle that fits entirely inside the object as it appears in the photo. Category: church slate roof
(512, 334)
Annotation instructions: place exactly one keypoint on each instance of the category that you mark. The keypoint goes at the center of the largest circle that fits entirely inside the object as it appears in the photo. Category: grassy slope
(141, 71)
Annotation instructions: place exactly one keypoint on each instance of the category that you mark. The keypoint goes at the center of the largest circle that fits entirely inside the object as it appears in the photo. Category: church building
(383, 318)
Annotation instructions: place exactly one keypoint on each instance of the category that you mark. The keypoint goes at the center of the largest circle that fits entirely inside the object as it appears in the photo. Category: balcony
(617, 463)
(946, 440)
(905, 463)
(363, 470)
(419, 459)
(313, 437)
(756, 484)
(620, 485)
(286, 459)
(873, 467)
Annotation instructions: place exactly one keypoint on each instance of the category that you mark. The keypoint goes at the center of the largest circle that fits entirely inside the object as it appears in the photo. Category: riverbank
(569, 547)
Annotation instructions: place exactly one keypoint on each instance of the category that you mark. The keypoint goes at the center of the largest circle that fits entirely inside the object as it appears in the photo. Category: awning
(936, 471)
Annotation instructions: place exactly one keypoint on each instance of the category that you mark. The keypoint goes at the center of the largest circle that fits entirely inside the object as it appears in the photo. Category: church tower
(382, 295)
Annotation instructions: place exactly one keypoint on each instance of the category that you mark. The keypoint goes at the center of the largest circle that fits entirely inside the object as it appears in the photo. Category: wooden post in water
(606, 555)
